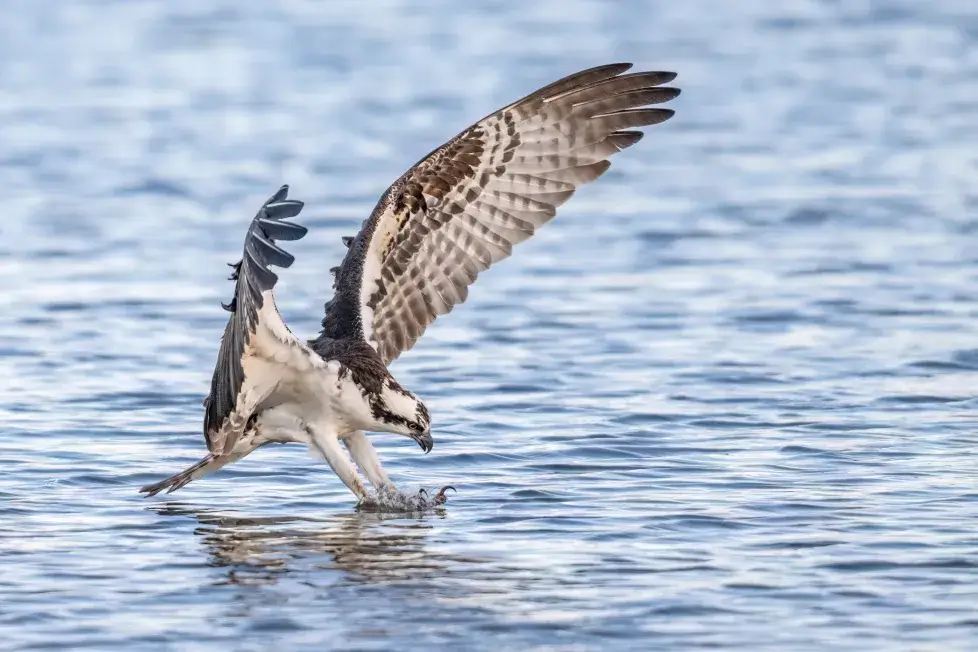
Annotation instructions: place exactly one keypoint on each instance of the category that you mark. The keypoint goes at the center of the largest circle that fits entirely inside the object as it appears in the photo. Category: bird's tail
(207, 465)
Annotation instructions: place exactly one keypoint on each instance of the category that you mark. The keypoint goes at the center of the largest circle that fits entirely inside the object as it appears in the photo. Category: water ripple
(725, 401)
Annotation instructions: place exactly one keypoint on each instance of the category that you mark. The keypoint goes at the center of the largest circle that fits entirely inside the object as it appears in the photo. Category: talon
(440, 497)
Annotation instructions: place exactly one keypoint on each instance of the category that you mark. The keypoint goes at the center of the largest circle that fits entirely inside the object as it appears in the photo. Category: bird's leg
(387, 495)
(339, 461)
(365, 455)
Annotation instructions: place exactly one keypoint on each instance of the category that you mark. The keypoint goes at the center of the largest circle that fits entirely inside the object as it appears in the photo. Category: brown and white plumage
(454, 214)
(462, 208)
(255, 332)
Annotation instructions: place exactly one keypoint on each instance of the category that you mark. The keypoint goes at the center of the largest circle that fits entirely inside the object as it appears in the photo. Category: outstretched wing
(463, 207)
(257, 346)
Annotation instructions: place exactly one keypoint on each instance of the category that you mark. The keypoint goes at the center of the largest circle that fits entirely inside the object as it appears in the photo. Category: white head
(394, 409)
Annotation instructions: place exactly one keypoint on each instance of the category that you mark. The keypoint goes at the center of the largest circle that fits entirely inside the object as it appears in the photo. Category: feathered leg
(329, 447)
(365, 455)
(386, 495)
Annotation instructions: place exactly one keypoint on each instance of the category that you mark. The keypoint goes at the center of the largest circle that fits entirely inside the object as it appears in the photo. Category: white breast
(317, 398)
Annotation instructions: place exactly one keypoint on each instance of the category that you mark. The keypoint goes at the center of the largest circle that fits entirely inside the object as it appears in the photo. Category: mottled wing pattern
(255, 327)
(463, 207)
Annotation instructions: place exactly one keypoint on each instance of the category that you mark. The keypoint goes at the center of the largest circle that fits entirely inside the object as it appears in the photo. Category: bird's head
(399, 411)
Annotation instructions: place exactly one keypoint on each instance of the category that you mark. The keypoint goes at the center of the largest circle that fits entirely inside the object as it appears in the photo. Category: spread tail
(207, 465)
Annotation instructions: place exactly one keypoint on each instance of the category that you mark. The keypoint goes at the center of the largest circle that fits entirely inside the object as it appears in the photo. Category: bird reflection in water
(364, 547)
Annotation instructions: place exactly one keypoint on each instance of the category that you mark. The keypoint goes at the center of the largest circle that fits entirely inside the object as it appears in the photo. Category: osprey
(453, 215)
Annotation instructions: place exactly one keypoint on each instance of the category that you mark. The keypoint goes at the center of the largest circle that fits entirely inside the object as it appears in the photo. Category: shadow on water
(361, 547)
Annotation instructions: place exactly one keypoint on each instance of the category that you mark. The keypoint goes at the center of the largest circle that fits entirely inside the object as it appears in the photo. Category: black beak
(424, 441)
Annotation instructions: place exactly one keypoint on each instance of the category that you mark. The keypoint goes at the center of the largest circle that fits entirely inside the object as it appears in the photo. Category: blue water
(727, 399)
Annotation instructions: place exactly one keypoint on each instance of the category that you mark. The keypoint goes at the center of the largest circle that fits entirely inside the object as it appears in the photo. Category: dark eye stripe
(390, 417)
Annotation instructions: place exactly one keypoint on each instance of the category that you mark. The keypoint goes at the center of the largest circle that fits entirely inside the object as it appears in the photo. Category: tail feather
(207, 465)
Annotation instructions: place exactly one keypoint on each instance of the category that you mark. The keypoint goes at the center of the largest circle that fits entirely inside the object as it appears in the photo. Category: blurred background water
(725, 400)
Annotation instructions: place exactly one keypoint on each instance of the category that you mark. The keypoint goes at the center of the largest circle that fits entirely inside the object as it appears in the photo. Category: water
(725, 400)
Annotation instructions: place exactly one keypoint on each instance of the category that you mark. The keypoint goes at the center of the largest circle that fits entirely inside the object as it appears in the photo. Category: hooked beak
(424, 441)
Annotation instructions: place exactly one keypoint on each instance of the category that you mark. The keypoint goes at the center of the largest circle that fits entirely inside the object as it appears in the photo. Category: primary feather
(253, 313)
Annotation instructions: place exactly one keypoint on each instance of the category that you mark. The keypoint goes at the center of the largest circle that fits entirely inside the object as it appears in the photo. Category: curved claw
(440, 497)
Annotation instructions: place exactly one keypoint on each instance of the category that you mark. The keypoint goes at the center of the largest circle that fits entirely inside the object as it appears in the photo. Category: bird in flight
(454, 214)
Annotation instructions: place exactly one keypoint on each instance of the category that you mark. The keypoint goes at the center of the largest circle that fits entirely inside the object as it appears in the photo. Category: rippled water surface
(726, 399)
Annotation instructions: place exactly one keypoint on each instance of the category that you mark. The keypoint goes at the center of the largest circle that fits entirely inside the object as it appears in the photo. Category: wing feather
(257, 346)
(463, 207)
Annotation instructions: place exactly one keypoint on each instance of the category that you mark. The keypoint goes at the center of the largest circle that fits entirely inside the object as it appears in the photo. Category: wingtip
(606, 71)
(276, 229)
(668, 76)
(279, 195)
(667, 94)
(282, 209)
(625, 139)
